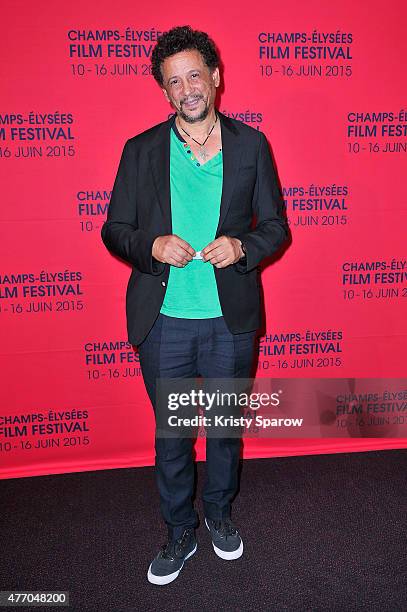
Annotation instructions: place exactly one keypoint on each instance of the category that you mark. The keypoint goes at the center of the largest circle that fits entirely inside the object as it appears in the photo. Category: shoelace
(171, 549)
(225, 527)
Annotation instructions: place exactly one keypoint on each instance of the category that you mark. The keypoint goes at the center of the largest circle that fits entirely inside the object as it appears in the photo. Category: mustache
(186, 100)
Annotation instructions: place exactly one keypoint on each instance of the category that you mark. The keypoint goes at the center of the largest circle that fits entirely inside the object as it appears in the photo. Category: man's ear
(216, 77)
(165, 94)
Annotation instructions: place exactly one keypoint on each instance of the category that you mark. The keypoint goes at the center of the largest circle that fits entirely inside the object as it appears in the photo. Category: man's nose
(187, 88)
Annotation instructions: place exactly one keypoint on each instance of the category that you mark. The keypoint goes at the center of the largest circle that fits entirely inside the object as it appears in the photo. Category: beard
(195, 118)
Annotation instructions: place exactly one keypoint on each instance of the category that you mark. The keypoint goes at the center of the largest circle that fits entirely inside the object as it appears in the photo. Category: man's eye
(195, 74)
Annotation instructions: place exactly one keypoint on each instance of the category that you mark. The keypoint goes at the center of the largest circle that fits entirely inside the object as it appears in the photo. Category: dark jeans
(188, 348)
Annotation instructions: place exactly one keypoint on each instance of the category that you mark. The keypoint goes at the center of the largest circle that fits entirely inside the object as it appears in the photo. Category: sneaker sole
(227, 555)
(170, 577)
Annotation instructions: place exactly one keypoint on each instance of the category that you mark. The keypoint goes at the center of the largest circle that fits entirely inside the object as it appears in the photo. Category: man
(181, 214)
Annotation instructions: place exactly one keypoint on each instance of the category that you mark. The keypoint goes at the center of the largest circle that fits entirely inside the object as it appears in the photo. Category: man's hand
(173, 250)
(223, 251)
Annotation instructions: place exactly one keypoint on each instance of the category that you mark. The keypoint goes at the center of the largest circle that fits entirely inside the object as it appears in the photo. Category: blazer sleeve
(120, 232)
(271, 229)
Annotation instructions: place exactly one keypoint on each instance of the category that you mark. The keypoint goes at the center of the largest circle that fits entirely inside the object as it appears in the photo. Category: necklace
(203, 154)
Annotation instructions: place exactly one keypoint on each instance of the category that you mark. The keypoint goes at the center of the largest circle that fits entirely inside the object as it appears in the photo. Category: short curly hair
(182, 38)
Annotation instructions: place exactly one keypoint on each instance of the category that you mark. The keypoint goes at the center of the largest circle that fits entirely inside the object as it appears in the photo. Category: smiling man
(181, 214)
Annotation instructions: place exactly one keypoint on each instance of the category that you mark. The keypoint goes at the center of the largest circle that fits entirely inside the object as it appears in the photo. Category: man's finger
(218, 252)
(179, 263)
(180, 258)
(212, 245)
(223, 263)
(185, 245)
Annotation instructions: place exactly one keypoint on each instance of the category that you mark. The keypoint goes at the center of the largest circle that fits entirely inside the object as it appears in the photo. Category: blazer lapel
(231, 154)
(160, 167)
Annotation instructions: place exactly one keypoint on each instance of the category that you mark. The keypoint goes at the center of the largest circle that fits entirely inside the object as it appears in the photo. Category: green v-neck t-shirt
(196, 191)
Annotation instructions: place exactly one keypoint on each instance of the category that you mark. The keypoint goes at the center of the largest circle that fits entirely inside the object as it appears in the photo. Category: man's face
(189, 85)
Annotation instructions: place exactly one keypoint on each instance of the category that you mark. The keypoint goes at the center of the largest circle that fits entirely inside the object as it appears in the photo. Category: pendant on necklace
(203, 154)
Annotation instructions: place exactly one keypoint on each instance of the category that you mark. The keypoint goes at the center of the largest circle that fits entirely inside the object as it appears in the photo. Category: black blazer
(140, 210)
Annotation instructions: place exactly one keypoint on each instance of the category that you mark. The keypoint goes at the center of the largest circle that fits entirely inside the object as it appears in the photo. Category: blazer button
(163, 283)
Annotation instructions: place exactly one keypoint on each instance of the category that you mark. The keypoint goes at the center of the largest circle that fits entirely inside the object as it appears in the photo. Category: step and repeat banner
(326, 84)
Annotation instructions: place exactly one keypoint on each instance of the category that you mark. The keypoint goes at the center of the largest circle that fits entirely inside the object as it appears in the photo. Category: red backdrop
(323, 81)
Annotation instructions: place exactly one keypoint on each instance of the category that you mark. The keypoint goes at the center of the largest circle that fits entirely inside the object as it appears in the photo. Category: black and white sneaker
(170, 560)
(226, 540)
